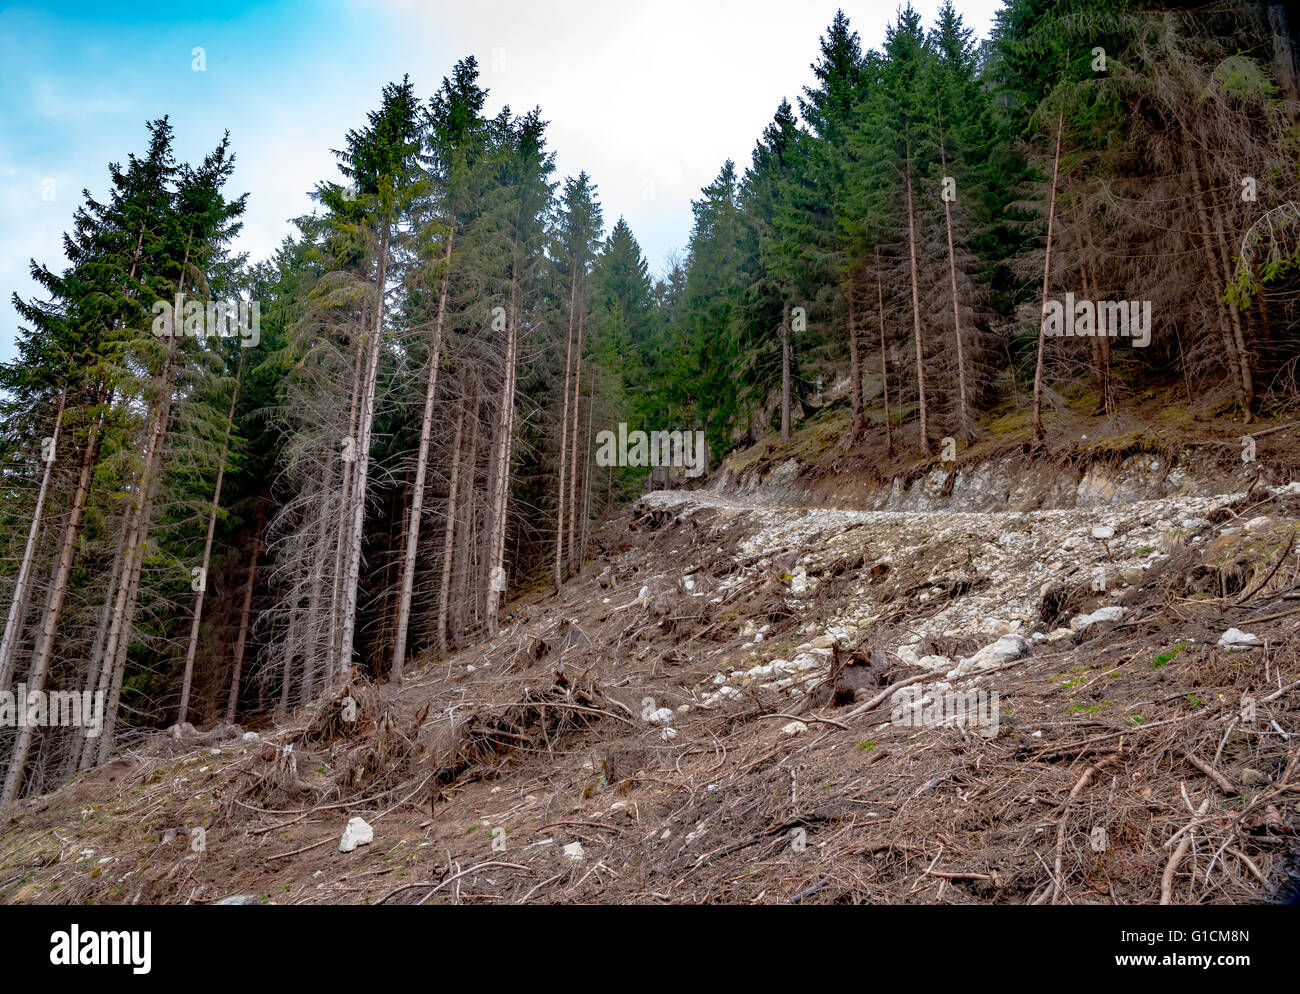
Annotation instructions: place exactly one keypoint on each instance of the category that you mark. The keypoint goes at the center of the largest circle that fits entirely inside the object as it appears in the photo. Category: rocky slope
(958, 690)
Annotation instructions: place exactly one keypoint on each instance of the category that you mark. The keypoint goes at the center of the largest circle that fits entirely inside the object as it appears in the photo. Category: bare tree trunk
(1047, 276)
(785, 373)
(884, 355)
(466, 539)
(449, 533)
(1212, 261)
(386, 627)
(573, 455)
(585, 486)
(312, 645)
(503, 444)
(1234, 316)
(290, 650)
(1099, 360)
(192, 648)
(963, 415)
(461, 567)
(58, 595)
(916, 309)
(564, 437)
(857, 425)
(1103, 342)
(421, 466)
(363, 458)
(86, 755)
(242, 639)
(344, 516)
(17, 610)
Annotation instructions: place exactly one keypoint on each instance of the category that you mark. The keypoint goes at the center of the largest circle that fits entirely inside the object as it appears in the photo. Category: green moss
(1089, 708)
(1165, 657)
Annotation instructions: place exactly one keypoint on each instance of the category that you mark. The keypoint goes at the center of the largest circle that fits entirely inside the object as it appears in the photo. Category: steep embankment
(747, 699)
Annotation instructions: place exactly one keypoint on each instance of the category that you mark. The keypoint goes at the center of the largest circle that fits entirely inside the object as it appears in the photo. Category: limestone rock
(357, 833)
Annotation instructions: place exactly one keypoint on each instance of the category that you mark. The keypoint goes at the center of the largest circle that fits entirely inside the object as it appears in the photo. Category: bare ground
(1134, 761)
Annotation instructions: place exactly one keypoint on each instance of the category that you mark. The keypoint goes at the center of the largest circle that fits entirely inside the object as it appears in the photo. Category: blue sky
(648, 97)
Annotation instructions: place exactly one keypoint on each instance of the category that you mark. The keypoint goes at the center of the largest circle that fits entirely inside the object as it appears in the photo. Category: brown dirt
(1110, 746)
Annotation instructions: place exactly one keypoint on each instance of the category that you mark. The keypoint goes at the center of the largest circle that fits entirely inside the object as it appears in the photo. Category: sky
(650, 98)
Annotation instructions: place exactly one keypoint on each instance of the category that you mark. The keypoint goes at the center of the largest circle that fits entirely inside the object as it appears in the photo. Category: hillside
(710, 713)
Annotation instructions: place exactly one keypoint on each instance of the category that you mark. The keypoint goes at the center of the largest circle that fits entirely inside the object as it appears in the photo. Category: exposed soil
(649, 716)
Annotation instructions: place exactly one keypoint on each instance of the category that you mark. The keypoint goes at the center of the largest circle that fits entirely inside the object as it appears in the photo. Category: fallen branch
(807, 717)
(1060, 825)
(455, 876)
(1167, 878)
(1219, 779)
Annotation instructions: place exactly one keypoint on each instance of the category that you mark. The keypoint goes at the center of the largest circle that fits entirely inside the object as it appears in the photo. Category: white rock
(1263, 521)
(812, 660)
(794, 728)
(1082, 621)
(251, 736)
(1235, 640)
(1103, 532)
(822, 642)
(661, 717)
(357, 833)
(573, 850)
(934, 663)
(1005, 650)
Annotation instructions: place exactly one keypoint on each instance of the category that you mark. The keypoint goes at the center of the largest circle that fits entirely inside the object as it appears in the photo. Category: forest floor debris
(740, 738)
